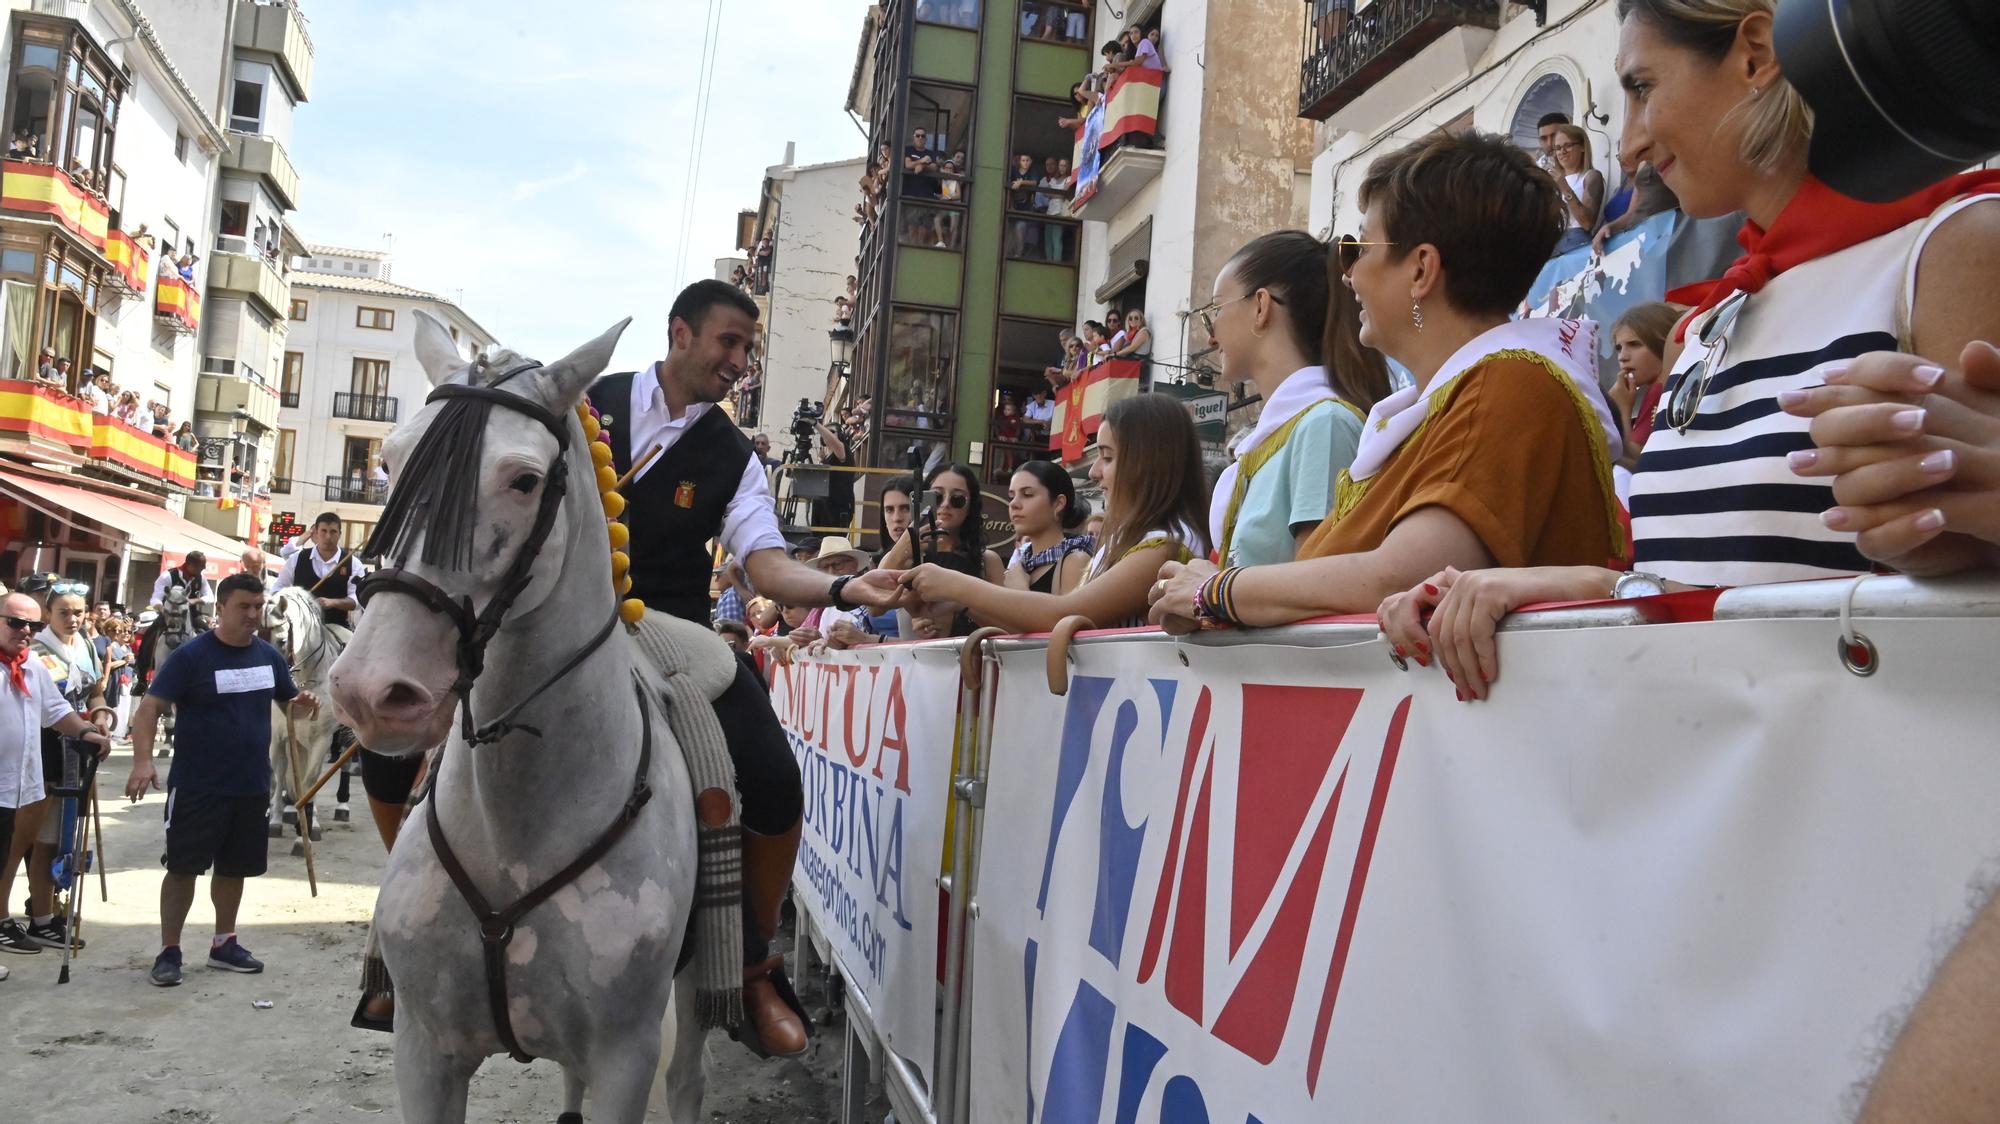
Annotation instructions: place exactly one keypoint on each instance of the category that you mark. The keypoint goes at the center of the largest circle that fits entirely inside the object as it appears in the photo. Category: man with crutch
(29, 703)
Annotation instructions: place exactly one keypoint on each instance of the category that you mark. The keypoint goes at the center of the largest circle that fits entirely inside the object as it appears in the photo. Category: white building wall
(331, 341)
(812, 257)
(1485, 73)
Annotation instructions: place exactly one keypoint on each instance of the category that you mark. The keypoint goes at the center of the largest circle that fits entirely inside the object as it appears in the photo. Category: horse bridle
(476, 628)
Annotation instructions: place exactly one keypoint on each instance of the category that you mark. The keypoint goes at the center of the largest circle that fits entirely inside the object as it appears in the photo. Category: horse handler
(219, 790)
(705, 483)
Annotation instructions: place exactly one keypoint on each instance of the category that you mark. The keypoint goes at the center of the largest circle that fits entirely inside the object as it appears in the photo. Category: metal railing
(365, 407)
(1346, 52)
(353, 489)
(281, 485)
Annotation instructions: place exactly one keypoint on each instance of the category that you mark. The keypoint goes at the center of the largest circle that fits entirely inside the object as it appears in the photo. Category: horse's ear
(436, 349)
(571, 375)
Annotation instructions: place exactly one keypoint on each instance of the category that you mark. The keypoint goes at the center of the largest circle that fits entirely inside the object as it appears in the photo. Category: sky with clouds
(531, 159)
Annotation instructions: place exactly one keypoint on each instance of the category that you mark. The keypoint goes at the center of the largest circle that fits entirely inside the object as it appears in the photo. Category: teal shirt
(1295, 487)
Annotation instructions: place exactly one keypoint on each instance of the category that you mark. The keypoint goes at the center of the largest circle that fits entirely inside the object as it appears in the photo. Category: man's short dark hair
(1552, 119)
(1492, 214)
(691, 307)
(733, 628)
(237, 583)
(326, 517)
(63, 361)
(195, 558)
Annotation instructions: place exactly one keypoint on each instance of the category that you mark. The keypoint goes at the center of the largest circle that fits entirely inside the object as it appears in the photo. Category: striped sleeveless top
(1719, 504)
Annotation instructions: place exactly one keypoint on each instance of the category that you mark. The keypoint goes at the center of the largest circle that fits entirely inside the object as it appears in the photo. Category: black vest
(325, 583)
(677, 505)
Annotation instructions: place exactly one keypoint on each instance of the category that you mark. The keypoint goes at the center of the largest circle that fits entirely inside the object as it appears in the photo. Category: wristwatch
(837, 593)
(1637, 584)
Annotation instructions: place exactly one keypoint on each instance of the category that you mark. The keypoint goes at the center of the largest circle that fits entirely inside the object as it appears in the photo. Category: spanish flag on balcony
(122, 444)
(1084, 401)
(1131, 108)
(178, 301)
(128, 258)
(45, 189)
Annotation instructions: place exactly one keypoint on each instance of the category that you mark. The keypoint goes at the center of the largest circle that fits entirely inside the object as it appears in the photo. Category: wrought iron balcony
(355, 489)
(365, 407)
(1348, 52)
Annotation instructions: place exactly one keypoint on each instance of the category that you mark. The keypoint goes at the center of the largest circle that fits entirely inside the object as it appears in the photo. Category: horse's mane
(437, 491)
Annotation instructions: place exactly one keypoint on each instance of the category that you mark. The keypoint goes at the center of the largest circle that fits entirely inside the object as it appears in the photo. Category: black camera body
(803, 419)
(1902, 91)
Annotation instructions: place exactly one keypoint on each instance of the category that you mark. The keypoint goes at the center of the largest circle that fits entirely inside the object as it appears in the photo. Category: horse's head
(472, 524)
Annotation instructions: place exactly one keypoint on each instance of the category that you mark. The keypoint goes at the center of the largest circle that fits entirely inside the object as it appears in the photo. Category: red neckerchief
(1818, 221)
(15, 664)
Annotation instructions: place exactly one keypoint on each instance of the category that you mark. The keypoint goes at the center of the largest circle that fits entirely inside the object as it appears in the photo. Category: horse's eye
(525, 483)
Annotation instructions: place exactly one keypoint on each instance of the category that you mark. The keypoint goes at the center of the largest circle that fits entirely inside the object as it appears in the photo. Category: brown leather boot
(773, 1024)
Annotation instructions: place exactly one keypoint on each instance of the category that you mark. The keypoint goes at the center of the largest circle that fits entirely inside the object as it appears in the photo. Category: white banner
(872, 730)
(1669, 873)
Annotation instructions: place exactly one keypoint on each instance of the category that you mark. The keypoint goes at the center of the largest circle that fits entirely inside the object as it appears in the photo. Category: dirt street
(109, 1048)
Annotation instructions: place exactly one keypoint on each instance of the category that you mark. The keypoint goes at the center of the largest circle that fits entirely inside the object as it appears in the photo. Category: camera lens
(1902, 91)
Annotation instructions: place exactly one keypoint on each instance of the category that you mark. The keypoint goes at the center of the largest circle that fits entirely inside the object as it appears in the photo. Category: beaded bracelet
(1215, 600)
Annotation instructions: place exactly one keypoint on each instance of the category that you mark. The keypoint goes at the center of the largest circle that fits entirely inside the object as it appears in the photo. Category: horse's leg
(621, 1077)
(685, 1083)
(431, 1086)
(572, 1112)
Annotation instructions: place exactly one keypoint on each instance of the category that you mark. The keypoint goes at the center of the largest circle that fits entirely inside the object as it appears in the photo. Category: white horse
(174, 628)
(497, 589)
(294, 624)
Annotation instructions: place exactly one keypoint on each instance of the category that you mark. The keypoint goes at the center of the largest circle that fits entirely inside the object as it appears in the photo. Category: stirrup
(362, 1020)
(746, 1031)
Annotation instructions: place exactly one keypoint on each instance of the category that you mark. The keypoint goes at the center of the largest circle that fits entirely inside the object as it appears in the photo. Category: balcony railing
(353, 489)
(281, 485)
(1346, 53)
(365, 407)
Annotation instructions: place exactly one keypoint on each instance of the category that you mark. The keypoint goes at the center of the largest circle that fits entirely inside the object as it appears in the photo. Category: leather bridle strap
(496, 926)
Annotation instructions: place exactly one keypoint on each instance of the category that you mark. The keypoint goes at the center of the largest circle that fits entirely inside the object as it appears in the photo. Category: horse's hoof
(339, 814)
(570, 1118)
(274, 830)
(298, 848)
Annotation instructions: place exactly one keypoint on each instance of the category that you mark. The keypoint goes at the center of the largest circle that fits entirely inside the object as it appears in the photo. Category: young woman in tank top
(1050, 550)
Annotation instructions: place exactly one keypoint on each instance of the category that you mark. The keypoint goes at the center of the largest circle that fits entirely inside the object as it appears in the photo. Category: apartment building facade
(348, 375)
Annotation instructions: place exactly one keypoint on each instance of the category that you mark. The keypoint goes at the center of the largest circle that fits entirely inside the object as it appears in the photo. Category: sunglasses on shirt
(23, 625)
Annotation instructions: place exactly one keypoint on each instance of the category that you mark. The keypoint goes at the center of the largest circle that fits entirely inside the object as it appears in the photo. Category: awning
(144, 525)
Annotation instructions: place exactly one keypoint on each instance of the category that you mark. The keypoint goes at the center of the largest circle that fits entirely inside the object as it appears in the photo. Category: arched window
(1550, 93)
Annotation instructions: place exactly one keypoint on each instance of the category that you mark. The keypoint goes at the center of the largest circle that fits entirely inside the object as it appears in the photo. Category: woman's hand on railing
(1914, 452)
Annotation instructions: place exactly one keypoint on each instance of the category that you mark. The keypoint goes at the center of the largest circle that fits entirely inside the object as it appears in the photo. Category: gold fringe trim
(1349, 492)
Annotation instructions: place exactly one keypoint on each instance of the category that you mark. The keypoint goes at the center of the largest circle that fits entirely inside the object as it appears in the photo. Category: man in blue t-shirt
(222, 685)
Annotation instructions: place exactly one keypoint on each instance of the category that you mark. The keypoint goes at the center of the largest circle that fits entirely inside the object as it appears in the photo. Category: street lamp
(841, 342)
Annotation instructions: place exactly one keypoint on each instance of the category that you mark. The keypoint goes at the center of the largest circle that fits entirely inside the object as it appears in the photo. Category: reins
(476, 628)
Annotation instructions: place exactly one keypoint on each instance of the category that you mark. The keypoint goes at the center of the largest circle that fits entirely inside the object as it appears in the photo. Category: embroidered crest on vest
(684, 495)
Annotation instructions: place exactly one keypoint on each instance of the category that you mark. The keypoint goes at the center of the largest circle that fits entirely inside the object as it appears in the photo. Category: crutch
(298, 775)
(79, 772)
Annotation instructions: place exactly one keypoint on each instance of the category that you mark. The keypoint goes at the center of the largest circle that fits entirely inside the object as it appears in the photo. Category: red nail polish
(1430, 589)
(1461, 696)
(1423, 647)
(1399, 651)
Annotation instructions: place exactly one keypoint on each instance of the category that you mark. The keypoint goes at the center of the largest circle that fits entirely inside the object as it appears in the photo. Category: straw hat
(834, 546)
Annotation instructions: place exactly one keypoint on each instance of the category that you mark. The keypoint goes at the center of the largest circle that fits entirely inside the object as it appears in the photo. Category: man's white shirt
(22, 719)
(199, 589)
(750, 522)
(289, 575)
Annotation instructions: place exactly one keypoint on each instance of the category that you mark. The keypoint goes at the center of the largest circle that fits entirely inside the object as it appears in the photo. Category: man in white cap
(838, 557)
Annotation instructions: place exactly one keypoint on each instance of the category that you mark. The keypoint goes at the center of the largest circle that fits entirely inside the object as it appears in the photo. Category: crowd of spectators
(1590, 217)
(93, 389)
(1040, 187)
(957, 13)
(1054, 22)
(1120, 335)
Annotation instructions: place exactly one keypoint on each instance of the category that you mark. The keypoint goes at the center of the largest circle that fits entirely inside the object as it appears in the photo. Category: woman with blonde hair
(1730, 488)
(1501, 451)
(1149, 465)
(1580, 186)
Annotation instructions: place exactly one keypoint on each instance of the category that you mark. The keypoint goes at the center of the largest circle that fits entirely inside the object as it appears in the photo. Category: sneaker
(13, 938)
(233, 957)
(51, 935)
(4, 973)
(167, 968)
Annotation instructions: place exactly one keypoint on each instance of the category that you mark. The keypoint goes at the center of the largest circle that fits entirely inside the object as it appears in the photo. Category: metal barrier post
(955, 884)
(973, 789)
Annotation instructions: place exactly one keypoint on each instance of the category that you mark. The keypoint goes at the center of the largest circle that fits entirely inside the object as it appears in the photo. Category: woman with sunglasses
(956, 542)
(1501, 450)
(1149, 465)
(1269, 321)
(1825, 280)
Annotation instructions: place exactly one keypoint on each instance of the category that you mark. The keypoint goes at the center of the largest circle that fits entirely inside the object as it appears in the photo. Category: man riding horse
(194, 591)
(705, 483)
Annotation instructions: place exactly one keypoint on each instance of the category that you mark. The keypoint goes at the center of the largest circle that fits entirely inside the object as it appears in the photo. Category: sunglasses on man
(21, 624)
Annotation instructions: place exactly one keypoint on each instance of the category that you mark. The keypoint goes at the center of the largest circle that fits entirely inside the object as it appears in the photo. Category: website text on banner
(872, 731)
(1671, 872)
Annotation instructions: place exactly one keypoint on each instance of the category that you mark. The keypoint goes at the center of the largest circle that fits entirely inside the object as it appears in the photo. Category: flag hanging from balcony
(47, 190)
(128, 258)
(1086, 399)
(178, 301)
(1130, 111)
